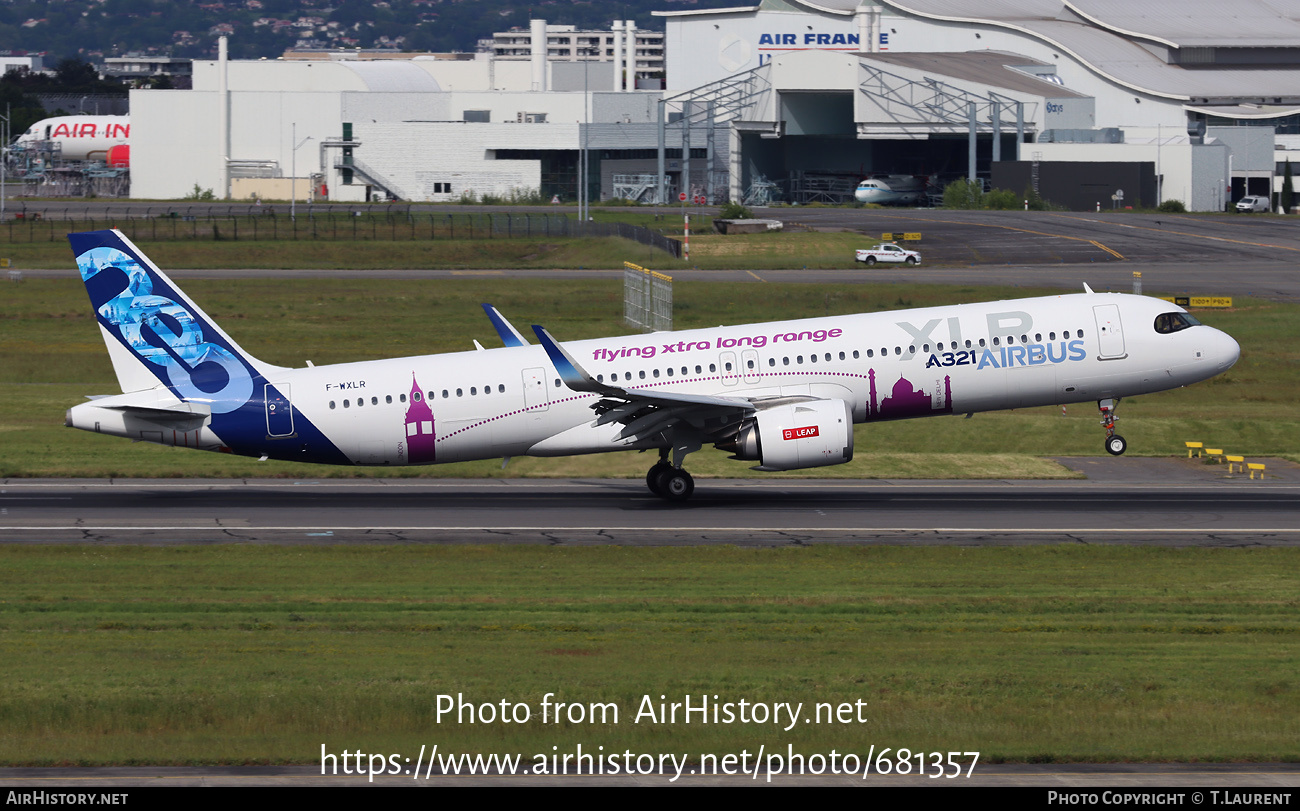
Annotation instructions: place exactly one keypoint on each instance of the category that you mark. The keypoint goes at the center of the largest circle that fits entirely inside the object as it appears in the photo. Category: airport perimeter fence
(274, 223)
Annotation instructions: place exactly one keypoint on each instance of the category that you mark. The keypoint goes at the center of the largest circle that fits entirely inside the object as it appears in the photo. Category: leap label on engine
(799, 433)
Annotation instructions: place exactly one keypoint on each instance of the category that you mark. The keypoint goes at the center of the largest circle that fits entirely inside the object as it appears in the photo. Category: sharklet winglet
(509, 335)
(573, 375)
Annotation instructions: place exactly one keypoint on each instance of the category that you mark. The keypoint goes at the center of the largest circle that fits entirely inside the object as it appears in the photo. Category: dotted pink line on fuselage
(549, 403)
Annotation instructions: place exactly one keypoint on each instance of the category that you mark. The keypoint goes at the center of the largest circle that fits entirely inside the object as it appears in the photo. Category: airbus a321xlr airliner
(784, 394)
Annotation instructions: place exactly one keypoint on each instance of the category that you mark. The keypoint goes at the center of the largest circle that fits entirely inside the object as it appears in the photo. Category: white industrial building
(568, 43)
(797, 96)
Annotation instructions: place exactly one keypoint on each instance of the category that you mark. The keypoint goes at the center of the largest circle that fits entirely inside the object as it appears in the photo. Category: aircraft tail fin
(154, 333)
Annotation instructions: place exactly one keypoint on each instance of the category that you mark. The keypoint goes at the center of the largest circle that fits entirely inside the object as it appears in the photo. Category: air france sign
(806, 40)
(780, 41)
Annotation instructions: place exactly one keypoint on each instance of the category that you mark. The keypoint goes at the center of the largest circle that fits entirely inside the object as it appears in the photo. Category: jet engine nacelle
(798, 435)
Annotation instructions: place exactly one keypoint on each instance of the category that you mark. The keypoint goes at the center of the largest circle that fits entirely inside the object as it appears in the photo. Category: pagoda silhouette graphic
(904, 401)
(420, 437)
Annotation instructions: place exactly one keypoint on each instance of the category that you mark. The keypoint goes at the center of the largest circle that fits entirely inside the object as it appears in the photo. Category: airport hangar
(1166, 99)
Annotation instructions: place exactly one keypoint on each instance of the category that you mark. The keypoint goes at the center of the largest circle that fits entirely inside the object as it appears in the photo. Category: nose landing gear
(1115, 444)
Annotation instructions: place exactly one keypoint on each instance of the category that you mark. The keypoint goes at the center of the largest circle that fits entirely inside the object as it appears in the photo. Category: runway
(1105, 510)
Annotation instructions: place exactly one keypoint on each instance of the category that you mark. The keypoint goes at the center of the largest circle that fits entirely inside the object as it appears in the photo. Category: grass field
(261, 654)
(51, 355)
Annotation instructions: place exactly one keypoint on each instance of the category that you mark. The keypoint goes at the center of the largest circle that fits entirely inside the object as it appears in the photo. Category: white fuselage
(81, 137)
(894, 190)
(888, 365)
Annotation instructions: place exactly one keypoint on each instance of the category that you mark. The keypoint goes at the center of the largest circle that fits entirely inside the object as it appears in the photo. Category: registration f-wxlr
(784, 394)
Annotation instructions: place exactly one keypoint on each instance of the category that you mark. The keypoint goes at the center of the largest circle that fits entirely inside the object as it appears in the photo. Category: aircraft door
(535, 397)
(727, 367)
(749, 365)
(1110, 332)
(279, 410)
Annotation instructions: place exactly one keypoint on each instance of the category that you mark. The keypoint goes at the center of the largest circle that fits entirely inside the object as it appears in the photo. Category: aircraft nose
(1226, 350)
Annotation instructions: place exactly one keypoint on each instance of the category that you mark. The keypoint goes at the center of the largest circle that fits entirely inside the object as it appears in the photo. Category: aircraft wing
(646, 412)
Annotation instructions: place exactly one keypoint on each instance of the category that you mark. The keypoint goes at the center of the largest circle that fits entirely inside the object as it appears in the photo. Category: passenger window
(345, 403)
(473, 391)
(445, 394)
(713, 367)
(995, 342)
(416, 395)
(698, 370)
(460, 393)
(855, 354)
(501, 388)
(388, 399)
(771, 361)
(841, 356)
(642, 374)
(871, 353)
(401, 398)
(361, 401)
(331, 404)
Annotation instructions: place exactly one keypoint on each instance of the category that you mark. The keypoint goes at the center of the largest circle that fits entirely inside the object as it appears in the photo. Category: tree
(76, 73)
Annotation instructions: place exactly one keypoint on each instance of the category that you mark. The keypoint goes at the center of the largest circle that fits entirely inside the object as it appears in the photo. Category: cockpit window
(1167, 323)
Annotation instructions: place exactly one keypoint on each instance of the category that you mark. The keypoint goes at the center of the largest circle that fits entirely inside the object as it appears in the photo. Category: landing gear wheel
(870, 260)
(675, 484)
(1116, 445)
(656, 473)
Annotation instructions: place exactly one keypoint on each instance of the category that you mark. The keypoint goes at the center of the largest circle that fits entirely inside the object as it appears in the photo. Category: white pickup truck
(887, 252)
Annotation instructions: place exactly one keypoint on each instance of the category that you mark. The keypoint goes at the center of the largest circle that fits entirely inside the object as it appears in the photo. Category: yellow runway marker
(1114, 253)
(756, 276)
(476, 272)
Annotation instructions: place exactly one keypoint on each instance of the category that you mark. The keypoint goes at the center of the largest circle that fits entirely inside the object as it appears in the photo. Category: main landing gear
(1115, 444)
(669, 482)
